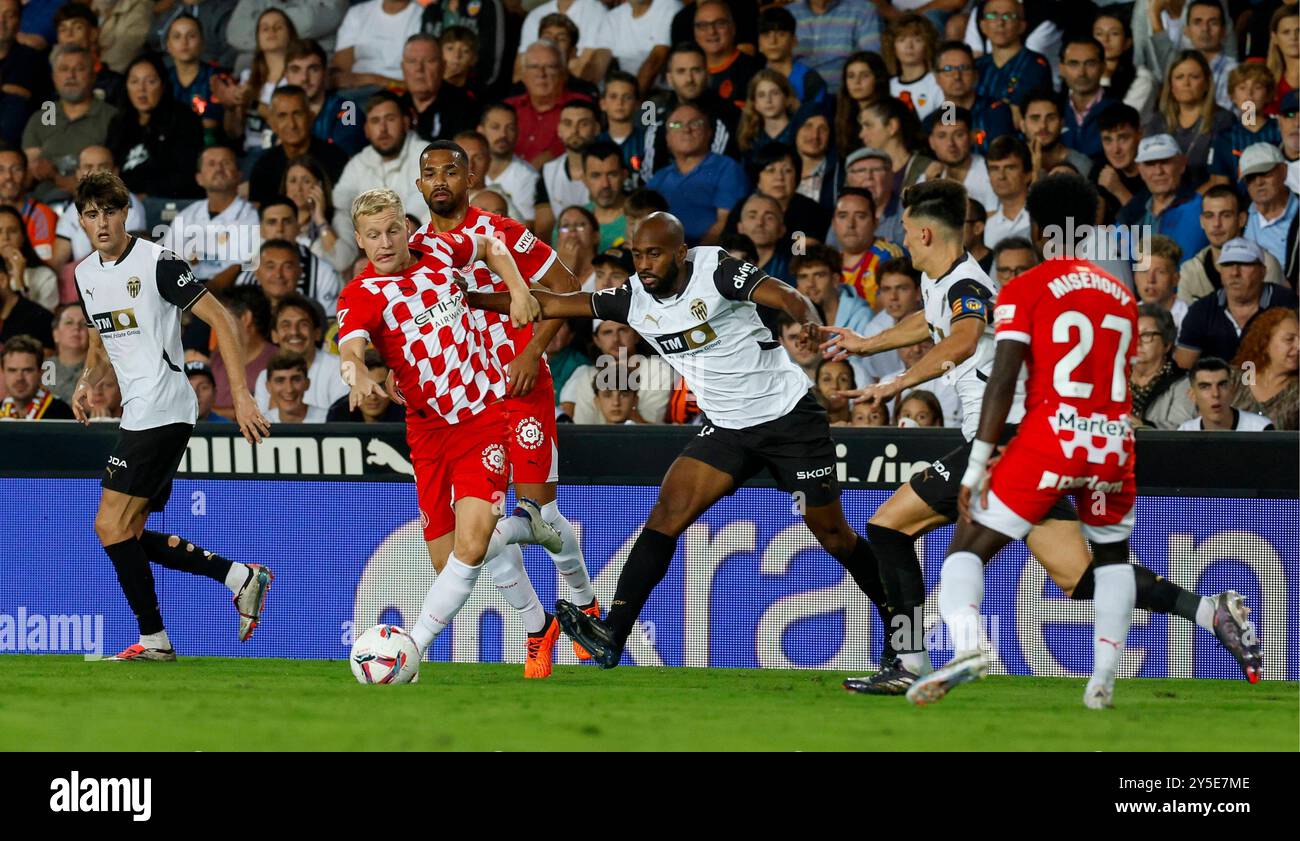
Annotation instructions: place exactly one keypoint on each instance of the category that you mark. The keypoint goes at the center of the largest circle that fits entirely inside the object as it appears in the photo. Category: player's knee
(110, 529)
(881, 535)
(837, 538)
(667, 518)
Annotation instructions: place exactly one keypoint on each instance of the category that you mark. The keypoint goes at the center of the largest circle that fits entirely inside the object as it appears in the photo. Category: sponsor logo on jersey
(1076, 432)
(969, 306)
(133, 286)
(691, 339)
(699, 309)
(529, 434)
(525, 242)
(440, 315)
(814, 474)
(116, 462)
(746, 269)
(1057, 482)
(494, 458)
(1004, 313)
(117, 321)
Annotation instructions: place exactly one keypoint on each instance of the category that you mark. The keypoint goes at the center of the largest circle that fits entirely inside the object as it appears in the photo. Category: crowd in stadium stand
(782, 132)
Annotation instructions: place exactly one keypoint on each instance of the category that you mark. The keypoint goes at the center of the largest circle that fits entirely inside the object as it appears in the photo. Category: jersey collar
(965, 255)
(130, 243)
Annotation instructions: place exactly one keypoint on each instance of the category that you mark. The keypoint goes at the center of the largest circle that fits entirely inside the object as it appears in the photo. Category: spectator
(615, 405)
(22, 266)
(1083, 60)
(1010, 166)
(864, 80)
(819, 167)
(316, 278)
(730, 69)
(27, 399)
(190, 78)
(619, 106)
(1222, 219)
(1157, 284)
(922, 408)
(603, 174)
(205, 392)
(701, 186)
(899, 295)
(538, 108)
(973, 235)
(561, 31)
(1288, 120)
(1272, 207)
(492, 202)
(1010, 71)
(954, 71)
(1122, 78)
(830, 30)
(834, 378)
(741, 247)
(1284, 48)
(561, 183)
(760, 220)
(441, 111)
(817, 274)
(24, 75)
(1012, 257)
(868, 415)
(1042, 130)
(638, 33)
(774, 170)
(79, 120)
(375, 407)
(19, 315)
(688, 82)
(575, 244)
(299, 327)
(154, 136)
(1171, 208)
(1212, 391)
(1268, 361)
(287, 380)
(588, 16)
(364, 57)
(71, 242)
(316, 19)
(253, 314)
(77, 24)
(311, 191)
(893, 128)
(247, 105)
(1161, 399)
(640, 204)
(616, 344)
(1204, 29)
(1213, 325)
(213, 17)
(862, 253)
(460, 58)
(105, 399)
(802, 352)
(948, 401)
(772, 113)
(910, 44)
(38, 218)
(1117, 175)
(508, 173)
(486, 21)
(391, 160)
(1188, 113)
(290, 119)
(1251, 87)
(214, 233)
(480, 160)
(71, 341)
(334, 120)
(871, 169)
(278, 274)
(612, 267)
(778, 41)
(951, 143)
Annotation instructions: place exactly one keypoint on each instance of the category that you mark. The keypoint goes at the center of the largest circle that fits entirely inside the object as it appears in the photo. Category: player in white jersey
(698, 308)
(133, 293)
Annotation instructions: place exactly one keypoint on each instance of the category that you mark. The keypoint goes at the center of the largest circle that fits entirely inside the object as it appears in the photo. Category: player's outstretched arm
(779, 295)
(523, 309)
(96, 368)
(352, 368)
(568, 305)
(251, 421)
(841, 342)
(998, 396)
(955, 349)
(521, 373)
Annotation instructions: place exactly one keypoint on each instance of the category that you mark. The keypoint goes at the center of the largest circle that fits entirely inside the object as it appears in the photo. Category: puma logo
(652, 318)
(383, 455)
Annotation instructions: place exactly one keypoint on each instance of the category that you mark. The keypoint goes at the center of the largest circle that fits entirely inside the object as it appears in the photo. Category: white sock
(158, 640)
(569, 559)
(445, 599)
(961, 592)
(1205, 613)
(509, 531)
(236, 577)
(917, 662)
(1116, 592)
(508, 573)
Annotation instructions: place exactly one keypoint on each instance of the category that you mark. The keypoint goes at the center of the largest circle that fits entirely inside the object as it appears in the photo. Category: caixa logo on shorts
(117, 321)
(529, 433)
(494, 458)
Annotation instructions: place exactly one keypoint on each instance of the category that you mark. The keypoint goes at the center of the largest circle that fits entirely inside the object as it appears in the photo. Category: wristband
(977, 464)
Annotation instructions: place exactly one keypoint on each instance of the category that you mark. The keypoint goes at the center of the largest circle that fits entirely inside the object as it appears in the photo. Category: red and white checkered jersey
(531, 255)
(1080, 324)
(420, 323)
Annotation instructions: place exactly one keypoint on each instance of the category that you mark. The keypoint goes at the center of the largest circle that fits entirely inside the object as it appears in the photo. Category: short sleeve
(349, 30)
(531, 255)
(1191, 334)
(176, 281)
(1011, 315)
(613, 304)
(968, 298)
(736, 279)
(360, 312)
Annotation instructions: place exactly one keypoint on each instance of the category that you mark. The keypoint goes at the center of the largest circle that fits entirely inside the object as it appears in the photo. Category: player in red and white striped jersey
(414, 311)
(530, 394)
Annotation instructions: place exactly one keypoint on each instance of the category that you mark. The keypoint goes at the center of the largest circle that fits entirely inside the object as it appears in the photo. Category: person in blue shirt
(1273, 207)
(205, 391)
(701, 186)
(337, 121)
(1010, 71)
(620, 106)
(777, 41)
(1250, 86)
(1083, 61)
(954, 70)
(1172, 208)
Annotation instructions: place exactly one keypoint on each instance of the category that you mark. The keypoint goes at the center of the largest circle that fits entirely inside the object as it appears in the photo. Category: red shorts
(454, 462)
(533, 457)
(1036, 470)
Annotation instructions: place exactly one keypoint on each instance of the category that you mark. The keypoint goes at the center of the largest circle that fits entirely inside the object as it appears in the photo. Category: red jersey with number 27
(1080, 325)
(420, 323)
(531, 255)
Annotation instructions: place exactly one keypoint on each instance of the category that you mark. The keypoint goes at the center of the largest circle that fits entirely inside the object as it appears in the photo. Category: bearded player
(413, 309)
(530, 392)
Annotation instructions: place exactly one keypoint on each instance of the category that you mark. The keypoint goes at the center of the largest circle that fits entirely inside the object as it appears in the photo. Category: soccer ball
(385, 654)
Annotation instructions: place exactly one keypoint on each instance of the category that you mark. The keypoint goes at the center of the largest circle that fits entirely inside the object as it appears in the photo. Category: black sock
(136, 580)
(185, 556)
(646, 566)
(1155, 593)
(863, 566)
(904, 583)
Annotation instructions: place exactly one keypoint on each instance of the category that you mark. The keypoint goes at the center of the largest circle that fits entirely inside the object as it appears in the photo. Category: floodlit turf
(66, 703)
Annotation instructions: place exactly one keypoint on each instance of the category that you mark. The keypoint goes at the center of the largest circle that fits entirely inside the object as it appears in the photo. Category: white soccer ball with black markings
(385, 654)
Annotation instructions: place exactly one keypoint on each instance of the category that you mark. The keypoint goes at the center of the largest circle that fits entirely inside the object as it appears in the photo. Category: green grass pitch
(66, 703)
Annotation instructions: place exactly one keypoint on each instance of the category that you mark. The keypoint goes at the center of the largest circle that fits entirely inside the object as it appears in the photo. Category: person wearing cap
(871, 170)
(954, 70)
(1272, 205)
(205, 391)
(1214, 325)
(603, 173)
(777, 41)
(1173, 208)
(951, 139)
(1222, 219)
(611, 268)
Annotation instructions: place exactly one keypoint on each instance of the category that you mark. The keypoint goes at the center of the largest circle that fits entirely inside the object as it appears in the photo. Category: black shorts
(795, 448)
(144, 462)
(938, 484)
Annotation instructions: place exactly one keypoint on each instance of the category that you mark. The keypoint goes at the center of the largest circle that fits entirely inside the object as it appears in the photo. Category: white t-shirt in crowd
(998, 227)
(924, 94)
(377, 38)
(324, 386)
(518, 182)
(631, 38)
(315, 414)
(589, 15)
(1243, 422)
